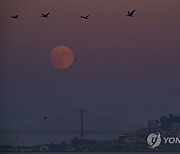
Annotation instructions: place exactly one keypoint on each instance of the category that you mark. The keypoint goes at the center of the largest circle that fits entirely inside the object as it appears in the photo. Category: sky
(126, 69)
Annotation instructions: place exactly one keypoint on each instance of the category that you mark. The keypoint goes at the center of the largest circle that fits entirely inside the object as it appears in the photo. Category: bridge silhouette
(81, 131)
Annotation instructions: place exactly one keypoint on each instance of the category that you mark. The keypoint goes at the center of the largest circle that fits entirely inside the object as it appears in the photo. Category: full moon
(61, 57)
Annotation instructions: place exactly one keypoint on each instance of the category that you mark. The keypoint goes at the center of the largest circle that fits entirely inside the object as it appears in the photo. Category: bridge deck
(60, 132)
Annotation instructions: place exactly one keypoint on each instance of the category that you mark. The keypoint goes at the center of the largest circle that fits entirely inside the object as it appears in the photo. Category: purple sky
(127, 69)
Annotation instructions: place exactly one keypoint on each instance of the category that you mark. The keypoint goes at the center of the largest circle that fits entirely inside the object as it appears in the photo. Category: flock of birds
(130, 14)
(42, 15)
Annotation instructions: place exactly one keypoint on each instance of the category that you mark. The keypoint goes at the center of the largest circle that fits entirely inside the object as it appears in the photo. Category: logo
(154, 140)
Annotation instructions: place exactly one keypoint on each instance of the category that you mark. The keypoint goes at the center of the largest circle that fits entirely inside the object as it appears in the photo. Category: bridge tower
(81, 125)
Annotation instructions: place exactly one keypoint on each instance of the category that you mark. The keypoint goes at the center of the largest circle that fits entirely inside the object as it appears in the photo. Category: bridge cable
(107, 119)
(50, 121)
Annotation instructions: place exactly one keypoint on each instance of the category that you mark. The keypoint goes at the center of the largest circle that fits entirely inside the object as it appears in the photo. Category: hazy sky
(126, 69)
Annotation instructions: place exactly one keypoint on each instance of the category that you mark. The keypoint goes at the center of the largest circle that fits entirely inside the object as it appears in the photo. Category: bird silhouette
(17, 136)
(45, 15)
(85, 17)
(15, 17)
(130, 14)
(45, 117)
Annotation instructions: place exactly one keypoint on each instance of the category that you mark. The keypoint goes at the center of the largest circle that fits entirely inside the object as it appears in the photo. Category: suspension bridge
(81, 131)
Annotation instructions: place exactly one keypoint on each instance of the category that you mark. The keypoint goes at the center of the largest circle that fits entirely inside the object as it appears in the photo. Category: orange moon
(61, 57)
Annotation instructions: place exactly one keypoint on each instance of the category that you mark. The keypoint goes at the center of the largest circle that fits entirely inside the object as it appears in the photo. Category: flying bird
(15, 17)
(130, 14)
(85, 17)
(45, 15)
(45, 117)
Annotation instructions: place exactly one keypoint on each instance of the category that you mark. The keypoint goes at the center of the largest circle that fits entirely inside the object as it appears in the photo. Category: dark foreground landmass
(133, 141)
